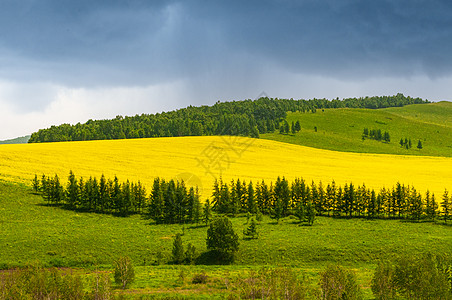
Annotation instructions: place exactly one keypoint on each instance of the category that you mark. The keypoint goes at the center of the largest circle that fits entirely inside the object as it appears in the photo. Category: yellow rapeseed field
(199, 160)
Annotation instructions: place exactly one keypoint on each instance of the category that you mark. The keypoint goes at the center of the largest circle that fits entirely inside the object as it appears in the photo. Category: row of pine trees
(172, 202)
(284, 198)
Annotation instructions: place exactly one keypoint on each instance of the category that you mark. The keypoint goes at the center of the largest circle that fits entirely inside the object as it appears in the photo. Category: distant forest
(245, 118)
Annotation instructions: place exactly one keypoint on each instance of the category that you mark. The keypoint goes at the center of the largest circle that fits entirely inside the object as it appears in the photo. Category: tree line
(244, 118)
(304, 200)
(169, 201)
(172, 202)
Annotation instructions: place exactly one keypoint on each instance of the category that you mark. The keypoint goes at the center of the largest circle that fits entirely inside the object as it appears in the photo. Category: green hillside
(342, 129)
(19, 140)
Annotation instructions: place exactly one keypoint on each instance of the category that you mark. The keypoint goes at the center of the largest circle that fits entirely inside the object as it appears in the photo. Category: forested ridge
(245, 118)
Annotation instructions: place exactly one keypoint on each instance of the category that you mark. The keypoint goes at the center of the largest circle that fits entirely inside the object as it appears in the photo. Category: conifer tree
(72, 191)
(445, 206)
(178, 254)
(251, 202)
(207, 216)
(310, 213)
(251, 231)
(35, 183)
(419, 145)
(297, 126)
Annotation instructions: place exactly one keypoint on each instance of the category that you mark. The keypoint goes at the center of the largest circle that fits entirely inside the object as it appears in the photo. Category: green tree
(419, 145)
(178, 250)
(297, 126)
(292, 127)
(72, 191)
(310, 213)
(445, 206)
(222, 240)
(286, 127)
(207, 212)
(35, 184)
(251, 231)
(124, 272)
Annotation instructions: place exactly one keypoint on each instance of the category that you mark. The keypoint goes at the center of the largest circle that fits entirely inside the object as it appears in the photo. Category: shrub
(383, 281)
(200, 278)
(124, 272)
(414, 277)
(281, 283)
(337, 282)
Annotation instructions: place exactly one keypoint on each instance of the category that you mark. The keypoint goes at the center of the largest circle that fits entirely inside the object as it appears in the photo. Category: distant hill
(239, 118)
(19, 140)
(342, 129)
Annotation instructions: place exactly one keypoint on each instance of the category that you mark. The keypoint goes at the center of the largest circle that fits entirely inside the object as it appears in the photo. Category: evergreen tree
(251, 231)
(72, 191)
(251, 202)
(286, 127)
(445, 206)
(300, 211)
(178, 254)
(207, 212)
(297, 126)
(371, 208)
(293, 130)
(419, 145)
(196, 208)
(310, 213)
(35, 184)
(402, 143)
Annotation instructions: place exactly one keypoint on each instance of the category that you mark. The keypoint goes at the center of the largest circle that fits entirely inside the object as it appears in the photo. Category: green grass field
(32, 233)
(341, 129)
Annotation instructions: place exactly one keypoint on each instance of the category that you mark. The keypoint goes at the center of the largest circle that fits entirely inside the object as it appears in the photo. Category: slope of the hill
(342, 129)
(19, 140)
(199, 160)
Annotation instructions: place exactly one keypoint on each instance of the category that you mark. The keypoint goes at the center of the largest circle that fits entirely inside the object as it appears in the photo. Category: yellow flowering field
(199, 160)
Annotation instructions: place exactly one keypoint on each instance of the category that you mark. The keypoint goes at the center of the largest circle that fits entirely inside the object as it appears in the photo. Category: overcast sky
(66, 61)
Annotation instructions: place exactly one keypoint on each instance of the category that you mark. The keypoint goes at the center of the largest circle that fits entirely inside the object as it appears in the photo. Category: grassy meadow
(199, 160)
(341, 129)
(31, 232)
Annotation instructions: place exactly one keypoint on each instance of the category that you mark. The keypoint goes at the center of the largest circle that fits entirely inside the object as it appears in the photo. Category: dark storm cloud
(147, 42)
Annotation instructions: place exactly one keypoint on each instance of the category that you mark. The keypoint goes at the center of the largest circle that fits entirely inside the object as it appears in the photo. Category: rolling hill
(341, 129)
(199, 160)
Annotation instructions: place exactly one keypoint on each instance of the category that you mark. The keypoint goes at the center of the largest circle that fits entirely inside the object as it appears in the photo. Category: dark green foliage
(190, 254)
(207, 212)
(337, 282)
(376, 134)
(247, 118)
(222, 240)
(297, 126)
(419, 145)
(178, 254)
(414, 277)
(124, 272)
